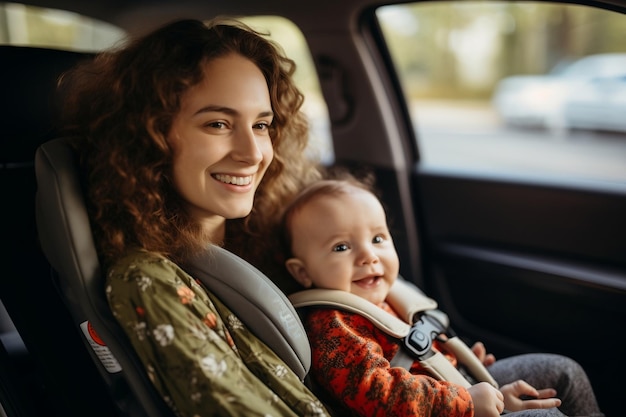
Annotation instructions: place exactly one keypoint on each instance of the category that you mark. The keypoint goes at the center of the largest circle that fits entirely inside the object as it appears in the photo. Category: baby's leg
(543, 370)
(546, 412)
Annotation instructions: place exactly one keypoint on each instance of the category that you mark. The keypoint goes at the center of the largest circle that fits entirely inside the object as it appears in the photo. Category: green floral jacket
(197, 353)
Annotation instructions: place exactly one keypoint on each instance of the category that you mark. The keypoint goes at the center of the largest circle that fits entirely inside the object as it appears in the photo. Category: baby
(338, 237)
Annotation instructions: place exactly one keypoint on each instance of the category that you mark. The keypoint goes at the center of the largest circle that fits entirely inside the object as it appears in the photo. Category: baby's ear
(297, 270)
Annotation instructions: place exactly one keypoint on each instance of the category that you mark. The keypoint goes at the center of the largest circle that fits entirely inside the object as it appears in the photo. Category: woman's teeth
(230, 179)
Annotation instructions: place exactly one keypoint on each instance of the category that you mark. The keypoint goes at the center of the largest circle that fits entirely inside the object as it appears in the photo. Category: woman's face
(221, 141)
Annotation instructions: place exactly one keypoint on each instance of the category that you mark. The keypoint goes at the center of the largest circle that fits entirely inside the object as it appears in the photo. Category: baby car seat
(66, 240)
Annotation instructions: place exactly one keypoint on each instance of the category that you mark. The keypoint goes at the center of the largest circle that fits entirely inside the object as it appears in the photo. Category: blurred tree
(434, 45)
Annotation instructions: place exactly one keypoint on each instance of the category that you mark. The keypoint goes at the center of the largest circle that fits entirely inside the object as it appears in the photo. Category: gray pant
(543, 370)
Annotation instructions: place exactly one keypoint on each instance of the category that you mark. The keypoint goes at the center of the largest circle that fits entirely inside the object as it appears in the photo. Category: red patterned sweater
(351, 363)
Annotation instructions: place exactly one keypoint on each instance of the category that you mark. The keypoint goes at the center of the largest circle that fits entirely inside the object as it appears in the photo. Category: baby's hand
(481, 353)
(488, 401)
(513, 393)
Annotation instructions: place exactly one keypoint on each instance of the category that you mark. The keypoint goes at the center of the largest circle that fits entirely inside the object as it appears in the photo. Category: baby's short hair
(335, 183)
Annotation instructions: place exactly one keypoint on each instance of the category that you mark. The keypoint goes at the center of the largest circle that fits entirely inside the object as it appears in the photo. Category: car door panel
(529, 267)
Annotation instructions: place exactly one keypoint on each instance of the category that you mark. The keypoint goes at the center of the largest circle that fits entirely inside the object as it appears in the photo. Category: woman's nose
(246, 147)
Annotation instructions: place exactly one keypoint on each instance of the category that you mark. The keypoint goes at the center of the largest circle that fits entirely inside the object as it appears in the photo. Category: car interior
(519, 233)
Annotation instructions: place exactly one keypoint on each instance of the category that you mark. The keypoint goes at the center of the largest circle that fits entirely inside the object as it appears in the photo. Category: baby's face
(343, 242)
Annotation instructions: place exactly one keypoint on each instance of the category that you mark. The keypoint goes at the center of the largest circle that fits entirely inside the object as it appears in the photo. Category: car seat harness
(419, 325)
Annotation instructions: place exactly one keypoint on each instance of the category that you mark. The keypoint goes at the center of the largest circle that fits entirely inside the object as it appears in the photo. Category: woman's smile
(232, 179)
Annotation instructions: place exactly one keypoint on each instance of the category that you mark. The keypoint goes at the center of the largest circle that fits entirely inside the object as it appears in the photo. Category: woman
(183, 135)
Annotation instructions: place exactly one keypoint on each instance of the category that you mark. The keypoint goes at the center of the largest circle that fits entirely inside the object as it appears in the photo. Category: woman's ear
(297, 270)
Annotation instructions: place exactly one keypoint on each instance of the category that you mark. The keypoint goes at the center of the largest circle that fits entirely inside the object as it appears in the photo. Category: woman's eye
(262, 126)
(216, 125)
(340, 248)
(378, 239)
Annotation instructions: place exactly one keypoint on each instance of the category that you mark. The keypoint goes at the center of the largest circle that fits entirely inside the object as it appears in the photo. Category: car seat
(66, 240)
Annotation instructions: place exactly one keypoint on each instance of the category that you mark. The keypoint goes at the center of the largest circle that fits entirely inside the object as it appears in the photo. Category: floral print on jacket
(351, 364)
(198, 354)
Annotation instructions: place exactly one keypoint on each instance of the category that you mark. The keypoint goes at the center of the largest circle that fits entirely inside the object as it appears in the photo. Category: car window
(41, 27)
(527, 89)
(290, 38)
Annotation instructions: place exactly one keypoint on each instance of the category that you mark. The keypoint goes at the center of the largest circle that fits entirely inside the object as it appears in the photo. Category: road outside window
(525, 89)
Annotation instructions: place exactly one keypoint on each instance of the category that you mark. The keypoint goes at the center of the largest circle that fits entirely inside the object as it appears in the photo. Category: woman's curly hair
(120, 107)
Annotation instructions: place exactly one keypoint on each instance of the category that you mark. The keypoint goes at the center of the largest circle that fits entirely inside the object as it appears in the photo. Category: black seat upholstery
(46, 360)
(30, 73)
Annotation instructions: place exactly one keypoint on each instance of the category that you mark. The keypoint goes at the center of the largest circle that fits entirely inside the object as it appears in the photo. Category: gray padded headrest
(62, 222)
(258, 303)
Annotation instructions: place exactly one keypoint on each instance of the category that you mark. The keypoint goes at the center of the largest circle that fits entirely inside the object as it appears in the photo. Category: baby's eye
(378, 239)
(340, 247)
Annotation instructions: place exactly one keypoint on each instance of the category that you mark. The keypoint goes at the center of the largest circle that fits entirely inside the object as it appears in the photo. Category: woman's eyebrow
(228, 110)
(216, 109)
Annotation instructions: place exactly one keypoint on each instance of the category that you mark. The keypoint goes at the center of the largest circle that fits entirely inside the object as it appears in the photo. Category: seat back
(66, 239)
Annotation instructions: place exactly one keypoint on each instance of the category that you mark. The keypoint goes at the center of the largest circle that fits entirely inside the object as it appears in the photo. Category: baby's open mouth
(368, 281)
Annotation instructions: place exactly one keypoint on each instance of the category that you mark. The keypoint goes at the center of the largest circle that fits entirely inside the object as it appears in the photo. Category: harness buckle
(419, 341)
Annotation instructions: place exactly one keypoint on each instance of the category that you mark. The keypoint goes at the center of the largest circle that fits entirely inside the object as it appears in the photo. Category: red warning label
(94, 335)
(103, 353)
